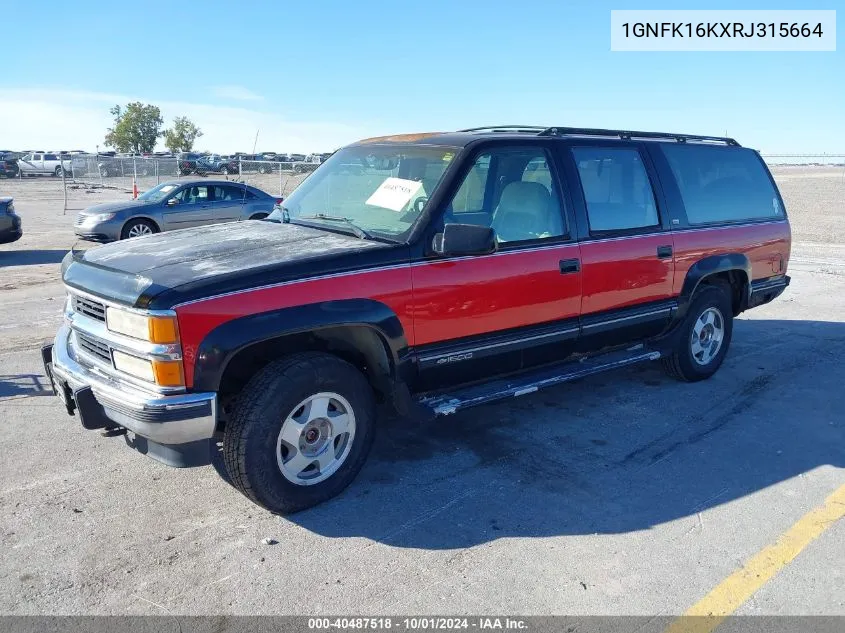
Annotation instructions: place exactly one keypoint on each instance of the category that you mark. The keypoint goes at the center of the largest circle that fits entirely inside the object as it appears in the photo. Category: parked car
(8, 164)
(125, 165)
(217, 164)
(187, 163)
(174, 205)
(10, 222)
(43, 164)
(249, 163)
(428, 272)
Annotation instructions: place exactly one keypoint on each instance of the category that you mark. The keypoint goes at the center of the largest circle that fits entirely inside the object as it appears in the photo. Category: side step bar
(462, 398)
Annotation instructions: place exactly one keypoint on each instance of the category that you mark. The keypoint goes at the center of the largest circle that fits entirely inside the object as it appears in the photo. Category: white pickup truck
(39, 163)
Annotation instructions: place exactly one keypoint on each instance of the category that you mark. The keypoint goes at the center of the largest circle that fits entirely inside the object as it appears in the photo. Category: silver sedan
(173, 205)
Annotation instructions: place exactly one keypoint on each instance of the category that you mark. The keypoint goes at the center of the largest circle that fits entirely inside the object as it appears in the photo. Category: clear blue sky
(380, 67)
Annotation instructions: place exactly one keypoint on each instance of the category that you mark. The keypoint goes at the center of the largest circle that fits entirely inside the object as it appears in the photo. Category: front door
(493, 314)
(190, 206)
(626, 247)
(30, 164)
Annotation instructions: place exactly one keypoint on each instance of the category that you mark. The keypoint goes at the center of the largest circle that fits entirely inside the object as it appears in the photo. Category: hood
(158, 271)
(113, 207)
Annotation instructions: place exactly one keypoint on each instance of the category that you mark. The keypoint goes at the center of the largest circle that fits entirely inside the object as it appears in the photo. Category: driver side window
(192, 195)
(512, 191)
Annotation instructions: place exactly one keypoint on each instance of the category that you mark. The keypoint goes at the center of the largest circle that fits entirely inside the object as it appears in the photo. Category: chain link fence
(121, 172)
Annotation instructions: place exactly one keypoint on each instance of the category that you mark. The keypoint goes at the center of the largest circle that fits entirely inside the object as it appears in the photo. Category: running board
(446, 403)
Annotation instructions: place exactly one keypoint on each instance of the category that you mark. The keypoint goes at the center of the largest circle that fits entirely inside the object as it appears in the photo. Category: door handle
(569, 266)
(664, 252)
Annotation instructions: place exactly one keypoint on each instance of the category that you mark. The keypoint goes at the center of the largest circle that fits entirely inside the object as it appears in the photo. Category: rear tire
(283, 449)
(59, 172)
(704, 337)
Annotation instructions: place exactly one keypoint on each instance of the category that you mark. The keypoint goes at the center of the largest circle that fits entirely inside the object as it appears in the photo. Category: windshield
(158, 193)
(381, 190)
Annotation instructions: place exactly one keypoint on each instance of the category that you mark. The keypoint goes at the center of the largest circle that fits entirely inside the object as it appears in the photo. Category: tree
(181, 137)
(136, 129)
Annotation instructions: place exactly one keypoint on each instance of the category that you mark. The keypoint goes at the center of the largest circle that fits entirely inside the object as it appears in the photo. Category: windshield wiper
(357, 230)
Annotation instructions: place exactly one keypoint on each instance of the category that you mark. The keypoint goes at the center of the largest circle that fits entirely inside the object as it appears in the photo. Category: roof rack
(534, 129)
(630, 134)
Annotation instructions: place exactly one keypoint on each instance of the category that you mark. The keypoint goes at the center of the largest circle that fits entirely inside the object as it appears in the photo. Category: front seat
(525, 213)
(193, 194)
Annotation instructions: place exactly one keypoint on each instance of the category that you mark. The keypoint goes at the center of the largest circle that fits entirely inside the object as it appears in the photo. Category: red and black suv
(429, 272)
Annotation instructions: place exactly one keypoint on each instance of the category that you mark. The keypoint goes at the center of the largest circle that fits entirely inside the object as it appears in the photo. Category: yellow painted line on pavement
(709, 612)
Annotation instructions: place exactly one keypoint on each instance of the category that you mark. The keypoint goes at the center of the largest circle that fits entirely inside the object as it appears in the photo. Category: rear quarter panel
(766, 244)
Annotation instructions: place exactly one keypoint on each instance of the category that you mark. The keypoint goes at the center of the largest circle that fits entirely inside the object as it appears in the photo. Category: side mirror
(464, 239)
(172, 202)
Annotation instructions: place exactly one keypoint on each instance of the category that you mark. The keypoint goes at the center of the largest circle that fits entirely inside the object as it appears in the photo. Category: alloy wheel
(707, 336)
(315, 438)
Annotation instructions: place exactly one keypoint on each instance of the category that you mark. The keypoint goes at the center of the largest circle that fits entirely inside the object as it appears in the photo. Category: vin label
(712, 30)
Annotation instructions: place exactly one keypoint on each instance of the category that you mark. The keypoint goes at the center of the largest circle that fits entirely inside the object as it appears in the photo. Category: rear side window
(50, 157)
(228, 193)
(722, 184)
(616, 188)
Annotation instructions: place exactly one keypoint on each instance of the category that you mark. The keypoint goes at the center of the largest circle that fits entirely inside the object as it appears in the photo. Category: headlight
(10, 208)
(153, 328)
(134, 366)
(165, 373)
(101, 217)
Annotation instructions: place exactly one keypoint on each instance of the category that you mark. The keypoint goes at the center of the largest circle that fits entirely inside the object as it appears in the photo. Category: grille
(94, 347)
(79, 220)
(92, 309)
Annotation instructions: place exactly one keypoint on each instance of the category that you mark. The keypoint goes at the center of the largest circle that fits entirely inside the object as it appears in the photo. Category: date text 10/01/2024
(417, 623)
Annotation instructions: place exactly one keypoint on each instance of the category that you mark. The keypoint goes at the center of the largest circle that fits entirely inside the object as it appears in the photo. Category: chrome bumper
(163, 419)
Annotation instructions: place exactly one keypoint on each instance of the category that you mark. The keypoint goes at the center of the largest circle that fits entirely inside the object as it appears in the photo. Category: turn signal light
(163, 329)
(168, 373)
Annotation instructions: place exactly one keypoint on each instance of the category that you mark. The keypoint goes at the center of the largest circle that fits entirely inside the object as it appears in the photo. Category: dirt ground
(625, 493)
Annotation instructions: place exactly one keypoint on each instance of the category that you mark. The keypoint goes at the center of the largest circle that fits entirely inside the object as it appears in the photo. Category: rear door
(627, 248)
(228, 202)
(491, 314)
(189, 206)
(49, 164)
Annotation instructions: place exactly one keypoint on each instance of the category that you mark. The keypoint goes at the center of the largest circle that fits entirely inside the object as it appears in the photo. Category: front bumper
(107, 231)
(175, 429)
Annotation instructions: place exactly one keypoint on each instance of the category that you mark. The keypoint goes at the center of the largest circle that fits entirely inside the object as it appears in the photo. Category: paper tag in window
(394, 193)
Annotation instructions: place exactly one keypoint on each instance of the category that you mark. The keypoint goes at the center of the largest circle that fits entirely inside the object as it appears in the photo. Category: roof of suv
(461, 138)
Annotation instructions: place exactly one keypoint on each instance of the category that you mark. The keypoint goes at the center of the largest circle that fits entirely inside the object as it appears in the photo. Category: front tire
(704, 337)
(138, 228)
(299, 432)
(59, 172)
